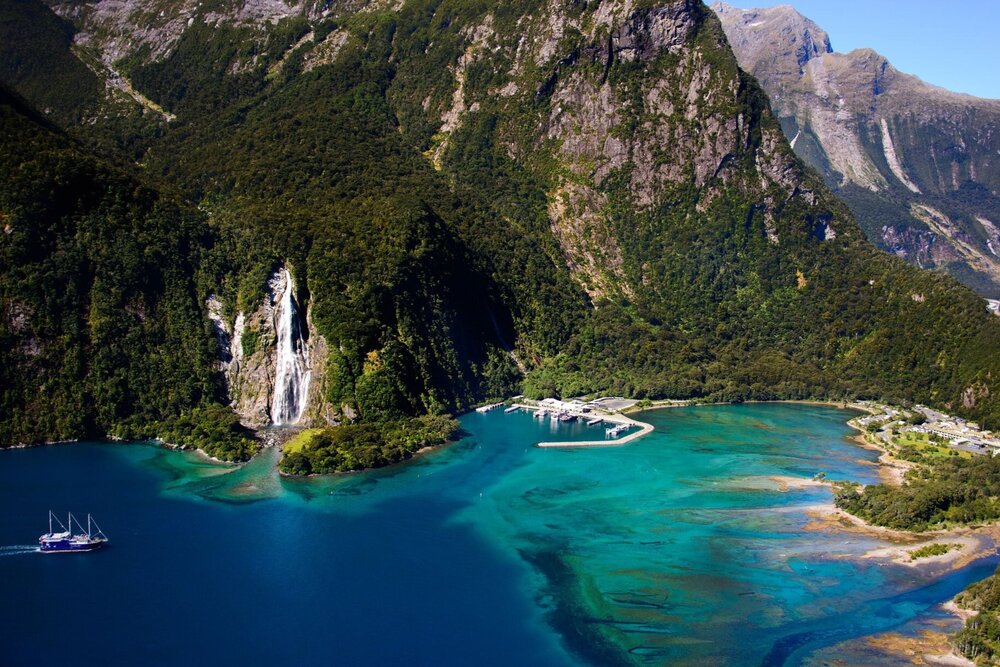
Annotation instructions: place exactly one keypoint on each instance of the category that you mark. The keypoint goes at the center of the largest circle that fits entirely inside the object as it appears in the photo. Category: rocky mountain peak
(887, 140)
(783, 41)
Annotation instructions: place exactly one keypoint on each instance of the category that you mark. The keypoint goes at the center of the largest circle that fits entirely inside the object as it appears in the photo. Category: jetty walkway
(644, 429)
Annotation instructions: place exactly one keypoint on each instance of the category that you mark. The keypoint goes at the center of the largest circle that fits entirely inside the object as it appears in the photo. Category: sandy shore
(47, 443)
(786, 483)
(976, 542)
(930, 647)
(211, 459)
(961, 612)
(965, 548)
(973, 542)
(199, 452)
(927, 648)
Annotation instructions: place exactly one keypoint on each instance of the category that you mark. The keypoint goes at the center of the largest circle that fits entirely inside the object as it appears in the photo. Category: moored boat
(65, 541)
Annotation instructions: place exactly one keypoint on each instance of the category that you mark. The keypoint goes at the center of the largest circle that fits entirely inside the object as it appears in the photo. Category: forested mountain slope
(589, 194)
(918, 165)
(42, 60)
(100, 324)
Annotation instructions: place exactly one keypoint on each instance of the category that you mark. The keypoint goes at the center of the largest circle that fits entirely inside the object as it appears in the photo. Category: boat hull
(68, 546)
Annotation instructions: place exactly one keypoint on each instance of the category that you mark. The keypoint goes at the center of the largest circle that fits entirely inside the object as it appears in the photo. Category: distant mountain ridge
(918, 165)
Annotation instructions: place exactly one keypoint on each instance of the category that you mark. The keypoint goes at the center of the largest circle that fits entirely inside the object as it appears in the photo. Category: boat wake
(18, 550)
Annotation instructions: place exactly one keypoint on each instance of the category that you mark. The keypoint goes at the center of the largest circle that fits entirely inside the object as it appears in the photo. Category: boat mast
(50, 522)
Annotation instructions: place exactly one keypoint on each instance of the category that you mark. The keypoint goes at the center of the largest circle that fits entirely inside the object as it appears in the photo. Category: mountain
(414, 206)
(41, 59)
(918, 165)
(99, 322)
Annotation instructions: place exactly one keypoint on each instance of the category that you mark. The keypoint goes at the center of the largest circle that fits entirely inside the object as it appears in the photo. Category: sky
(953, 44)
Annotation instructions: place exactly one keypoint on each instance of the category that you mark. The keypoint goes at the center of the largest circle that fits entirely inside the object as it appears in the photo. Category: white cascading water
(291, 381)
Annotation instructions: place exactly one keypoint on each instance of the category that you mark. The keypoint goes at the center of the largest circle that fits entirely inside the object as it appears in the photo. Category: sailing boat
(65, 540)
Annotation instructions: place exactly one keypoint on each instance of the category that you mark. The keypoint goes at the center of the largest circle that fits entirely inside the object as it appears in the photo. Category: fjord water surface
(489, 552)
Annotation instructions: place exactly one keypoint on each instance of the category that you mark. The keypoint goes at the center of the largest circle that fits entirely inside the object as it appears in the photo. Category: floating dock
(617, 430)
(511, 409)
(594, 422)
(487, 408)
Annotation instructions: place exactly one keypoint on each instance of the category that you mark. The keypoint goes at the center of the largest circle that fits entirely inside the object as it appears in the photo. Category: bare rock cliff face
(775, 43)
(118, 29)
(250, 373)
(248, 358)
(648, 33)
(884, 139)
(318, 411)
(686, 127)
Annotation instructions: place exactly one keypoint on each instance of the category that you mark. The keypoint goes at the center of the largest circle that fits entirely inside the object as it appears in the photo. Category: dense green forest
(214, 429)
(951, 491)
(429, 258)
(101, 325)
(366, 445)
(943, 492)
(724, 318)
(979, 640)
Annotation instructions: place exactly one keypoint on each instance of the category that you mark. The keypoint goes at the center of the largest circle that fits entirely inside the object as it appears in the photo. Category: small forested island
(362, 446)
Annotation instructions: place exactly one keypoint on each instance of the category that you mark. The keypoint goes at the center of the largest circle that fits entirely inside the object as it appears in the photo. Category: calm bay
(488, 552)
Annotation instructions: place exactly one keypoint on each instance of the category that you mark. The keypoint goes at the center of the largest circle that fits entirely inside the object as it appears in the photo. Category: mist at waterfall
(291, 381)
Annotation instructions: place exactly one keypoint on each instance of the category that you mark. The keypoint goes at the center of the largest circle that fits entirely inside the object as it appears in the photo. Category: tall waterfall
(291, 381)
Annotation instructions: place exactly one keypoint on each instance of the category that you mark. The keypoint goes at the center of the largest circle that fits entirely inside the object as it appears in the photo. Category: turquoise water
(676, 549)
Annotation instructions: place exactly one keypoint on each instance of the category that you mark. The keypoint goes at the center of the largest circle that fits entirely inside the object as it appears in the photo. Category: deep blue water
(490, 552)
(188, 582)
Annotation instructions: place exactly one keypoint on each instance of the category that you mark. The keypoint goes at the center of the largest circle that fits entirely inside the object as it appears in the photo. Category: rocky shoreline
(930, 647)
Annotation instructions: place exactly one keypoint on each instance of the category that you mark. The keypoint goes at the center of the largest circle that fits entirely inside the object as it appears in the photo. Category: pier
(592, 414)
(621, 422)
(491, 406)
